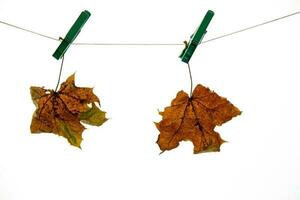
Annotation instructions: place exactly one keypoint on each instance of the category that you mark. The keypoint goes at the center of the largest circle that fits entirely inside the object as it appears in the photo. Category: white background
(258, 71)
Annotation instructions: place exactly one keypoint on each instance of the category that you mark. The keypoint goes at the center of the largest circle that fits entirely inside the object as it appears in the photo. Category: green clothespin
(72, 34)
(196, 38)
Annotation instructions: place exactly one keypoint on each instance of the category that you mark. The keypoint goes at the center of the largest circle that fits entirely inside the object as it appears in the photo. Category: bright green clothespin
(196, 38)
(72, 34)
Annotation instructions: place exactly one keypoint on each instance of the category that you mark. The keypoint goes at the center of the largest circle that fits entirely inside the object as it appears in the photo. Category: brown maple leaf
(61, 112)
(194, 119)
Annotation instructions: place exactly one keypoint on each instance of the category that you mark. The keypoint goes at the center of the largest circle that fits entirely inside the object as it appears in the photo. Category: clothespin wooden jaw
(196, 38)
(72, 34)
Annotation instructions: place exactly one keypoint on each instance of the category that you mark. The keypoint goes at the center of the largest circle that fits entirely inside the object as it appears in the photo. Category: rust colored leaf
(61, 112)
(194, 119)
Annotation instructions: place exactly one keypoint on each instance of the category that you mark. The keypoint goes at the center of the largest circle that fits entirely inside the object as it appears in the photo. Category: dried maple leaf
(194, 119)
(61, 112)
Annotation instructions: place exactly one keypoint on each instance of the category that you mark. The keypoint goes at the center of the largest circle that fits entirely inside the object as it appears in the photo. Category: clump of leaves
(61, 112)
(194, 118)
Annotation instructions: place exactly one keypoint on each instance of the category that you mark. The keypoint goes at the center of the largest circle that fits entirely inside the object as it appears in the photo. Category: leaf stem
(61, 66)
(191, 79)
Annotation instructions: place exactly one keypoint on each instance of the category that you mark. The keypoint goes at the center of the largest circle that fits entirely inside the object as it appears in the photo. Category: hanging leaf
(194, 119)
(63, 111)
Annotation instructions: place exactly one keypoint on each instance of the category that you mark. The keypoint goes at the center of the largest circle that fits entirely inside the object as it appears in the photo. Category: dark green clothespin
(72, 34)
(196, 38)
